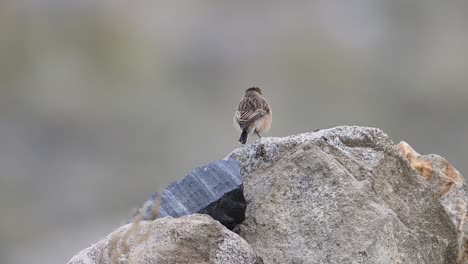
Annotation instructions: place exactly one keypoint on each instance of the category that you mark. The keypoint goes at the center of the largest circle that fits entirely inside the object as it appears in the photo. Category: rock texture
(189, 239)
(448, 187)
(343, 195)
(215, 190)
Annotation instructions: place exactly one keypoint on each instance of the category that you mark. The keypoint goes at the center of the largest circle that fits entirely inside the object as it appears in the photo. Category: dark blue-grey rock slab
(215, 190)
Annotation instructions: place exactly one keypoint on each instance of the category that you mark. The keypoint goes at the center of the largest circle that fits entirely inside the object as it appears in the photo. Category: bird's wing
(250, 110)
(246, 118)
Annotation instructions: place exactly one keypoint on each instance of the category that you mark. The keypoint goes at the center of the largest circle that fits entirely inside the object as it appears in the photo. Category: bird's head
(254, 89)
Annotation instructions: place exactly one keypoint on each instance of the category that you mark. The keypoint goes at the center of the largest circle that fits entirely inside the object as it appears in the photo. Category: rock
(188, 239)
(342, 195)
(215, 190)
(448, 187)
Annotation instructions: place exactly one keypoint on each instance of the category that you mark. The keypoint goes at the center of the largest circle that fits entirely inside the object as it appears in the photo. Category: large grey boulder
(342, 195)
(189, 239)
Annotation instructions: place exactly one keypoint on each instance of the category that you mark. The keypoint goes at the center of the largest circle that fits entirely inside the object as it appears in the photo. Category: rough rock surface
(342, 195)
(215, 190)
(448, 187)
(189, 239)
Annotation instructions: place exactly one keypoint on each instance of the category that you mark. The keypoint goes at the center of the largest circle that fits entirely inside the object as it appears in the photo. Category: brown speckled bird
(253, 114)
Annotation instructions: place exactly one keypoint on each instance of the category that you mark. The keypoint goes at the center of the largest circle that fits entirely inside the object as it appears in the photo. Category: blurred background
(104, 102)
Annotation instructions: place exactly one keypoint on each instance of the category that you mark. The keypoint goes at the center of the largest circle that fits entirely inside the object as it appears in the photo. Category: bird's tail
(243, 137)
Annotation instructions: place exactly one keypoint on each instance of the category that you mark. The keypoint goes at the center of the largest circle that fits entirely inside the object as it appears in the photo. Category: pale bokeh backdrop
(104, 102)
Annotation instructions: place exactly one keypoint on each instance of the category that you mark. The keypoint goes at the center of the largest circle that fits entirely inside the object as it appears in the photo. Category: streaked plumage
(253, 114)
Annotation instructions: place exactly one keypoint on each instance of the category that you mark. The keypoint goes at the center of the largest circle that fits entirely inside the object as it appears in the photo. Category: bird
(253, 115)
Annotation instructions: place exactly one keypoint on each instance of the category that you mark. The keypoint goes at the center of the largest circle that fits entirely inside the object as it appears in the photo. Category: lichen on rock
(448, 187)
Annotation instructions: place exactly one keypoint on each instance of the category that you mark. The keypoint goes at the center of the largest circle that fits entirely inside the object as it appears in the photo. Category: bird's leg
(256, 132)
